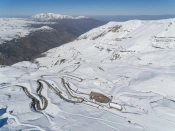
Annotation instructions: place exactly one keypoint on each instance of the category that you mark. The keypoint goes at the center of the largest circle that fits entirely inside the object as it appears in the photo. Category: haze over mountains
(130, 63)
(25, 38)
(131, 17)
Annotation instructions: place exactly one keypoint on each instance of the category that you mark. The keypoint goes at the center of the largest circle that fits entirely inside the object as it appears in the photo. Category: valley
(116, 77)
(24, 39)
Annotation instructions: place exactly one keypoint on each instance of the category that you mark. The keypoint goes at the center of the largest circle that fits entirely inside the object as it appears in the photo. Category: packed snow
(130, 62)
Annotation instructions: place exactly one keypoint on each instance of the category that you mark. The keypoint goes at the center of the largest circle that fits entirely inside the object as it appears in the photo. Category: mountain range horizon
(87, 65)
(108, 18)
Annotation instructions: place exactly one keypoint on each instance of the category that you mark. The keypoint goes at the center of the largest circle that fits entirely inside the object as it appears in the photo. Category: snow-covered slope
(52, 16)
(11, 28)
(132, 63)
(18, 35)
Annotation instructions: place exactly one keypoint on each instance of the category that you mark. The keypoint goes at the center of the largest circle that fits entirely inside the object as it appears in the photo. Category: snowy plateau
(128, 65)
(12, 28)
(19, 27)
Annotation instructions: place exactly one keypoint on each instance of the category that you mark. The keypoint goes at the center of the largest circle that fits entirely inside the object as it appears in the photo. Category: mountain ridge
(15, 31)
(53, 16)
(130, 63)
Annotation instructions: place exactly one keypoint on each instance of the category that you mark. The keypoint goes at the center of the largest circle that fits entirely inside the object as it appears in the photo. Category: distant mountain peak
(53, 16)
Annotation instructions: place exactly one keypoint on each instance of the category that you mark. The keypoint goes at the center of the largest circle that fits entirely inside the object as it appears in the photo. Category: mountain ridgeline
(62, 29)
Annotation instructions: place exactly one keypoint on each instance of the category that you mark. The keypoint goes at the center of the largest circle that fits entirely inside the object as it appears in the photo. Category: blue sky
(87, 7)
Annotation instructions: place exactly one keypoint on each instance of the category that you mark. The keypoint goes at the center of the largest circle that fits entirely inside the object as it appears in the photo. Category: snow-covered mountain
(17, 27)
(52, 16)
(117, 77)
(24, 39)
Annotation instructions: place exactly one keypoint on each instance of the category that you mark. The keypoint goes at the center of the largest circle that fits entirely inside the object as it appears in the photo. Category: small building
(115, 106)
(98, 97)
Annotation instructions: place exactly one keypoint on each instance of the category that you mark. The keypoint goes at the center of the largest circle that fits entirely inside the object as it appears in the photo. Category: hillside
(25, 39)
(117, 77)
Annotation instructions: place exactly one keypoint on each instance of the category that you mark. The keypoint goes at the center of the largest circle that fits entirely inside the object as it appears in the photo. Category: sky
(87, 7)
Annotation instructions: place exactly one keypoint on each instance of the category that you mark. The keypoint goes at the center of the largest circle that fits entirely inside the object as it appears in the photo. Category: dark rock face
(29, 47)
